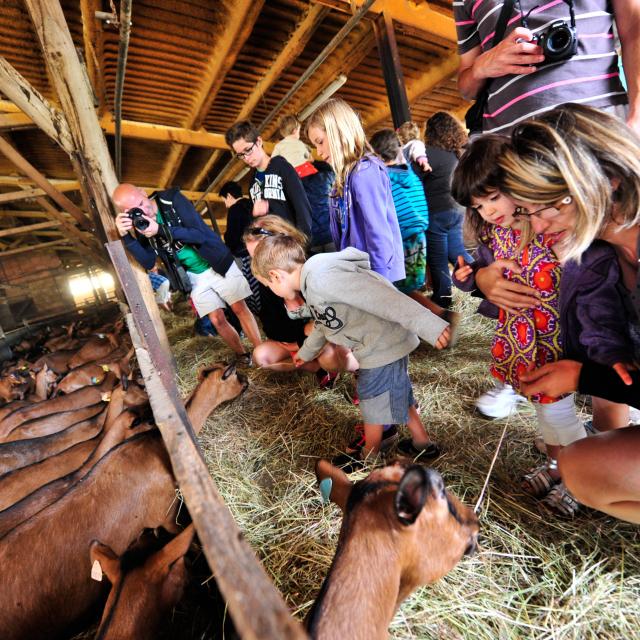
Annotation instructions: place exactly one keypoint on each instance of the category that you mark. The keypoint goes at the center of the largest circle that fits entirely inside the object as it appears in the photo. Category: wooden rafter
(416, 88)
(23, 165)
(34, 105)
(34, 247)
(419, 16)
(93, 41)
(242, 17)
(302, 33)
(29, 228)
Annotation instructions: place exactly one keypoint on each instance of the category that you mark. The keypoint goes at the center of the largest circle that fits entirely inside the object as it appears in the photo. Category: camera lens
(558, 41)
(137, 217)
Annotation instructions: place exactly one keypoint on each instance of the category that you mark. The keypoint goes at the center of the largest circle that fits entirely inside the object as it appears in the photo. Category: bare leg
(247, 321)
(373, 437)
(603, 472)
(419, 435)
(609, 415)
(334, 357)
(226, 331)
(272, 355)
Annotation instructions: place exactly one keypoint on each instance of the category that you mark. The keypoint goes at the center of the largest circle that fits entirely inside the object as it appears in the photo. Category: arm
(313, 344)
(507, 295)
(370, 195)
(514, 55)
(143, 253)
(483, 258)
(297, 198)
(627, 15)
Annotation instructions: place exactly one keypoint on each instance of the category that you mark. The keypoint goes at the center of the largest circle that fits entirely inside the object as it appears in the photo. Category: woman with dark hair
(445, 137)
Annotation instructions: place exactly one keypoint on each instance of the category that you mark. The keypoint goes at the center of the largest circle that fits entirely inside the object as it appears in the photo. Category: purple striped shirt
(590, 77)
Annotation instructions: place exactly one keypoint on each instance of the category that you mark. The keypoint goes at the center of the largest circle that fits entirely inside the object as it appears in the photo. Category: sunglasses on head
(259, 231)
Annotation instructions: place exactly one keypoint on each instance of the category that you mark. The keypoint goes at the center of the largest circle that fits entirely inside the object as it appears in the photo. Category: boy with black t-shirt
(276, 187)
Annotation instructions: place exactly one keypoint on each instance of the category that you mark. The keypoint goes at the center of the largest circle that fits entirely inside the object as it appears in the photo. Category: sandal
(561, 501)
(537, 482)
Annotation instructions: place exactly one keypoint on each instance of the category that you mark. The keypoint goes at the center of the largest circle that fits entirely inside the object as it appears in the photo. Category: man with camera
(167, 225)
(559, 52)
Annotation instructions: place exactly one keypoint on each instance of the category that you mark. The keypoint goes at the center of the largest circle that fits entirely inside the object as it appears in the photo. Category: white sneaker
(499, 402)
(634, 415)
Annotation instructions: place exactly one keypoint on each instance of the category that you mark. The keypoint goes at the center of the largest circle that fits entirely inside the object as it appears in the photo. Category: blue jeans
(444, 245)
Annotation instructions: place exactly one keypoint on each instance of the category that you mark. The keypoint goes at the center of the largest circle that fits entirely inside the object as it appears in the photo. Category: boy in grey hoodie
(355, 307)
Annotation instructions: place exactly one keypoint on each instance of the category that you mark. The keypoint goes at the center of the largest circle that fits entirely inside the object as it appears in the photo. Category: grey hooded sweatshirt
(358, 308)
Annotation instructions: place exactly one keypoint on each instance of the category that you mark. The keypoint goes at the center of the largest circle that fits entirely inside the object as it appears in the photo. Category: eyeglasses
(259, 231)
(246, 152)
(521, 212)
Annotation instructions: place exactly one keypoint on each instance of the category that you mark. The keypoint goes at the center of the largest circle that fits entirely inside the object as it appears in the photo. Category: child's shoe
(561, 501)
(430, 451)
(499, 402)
(327, 379)
(538, 481)
(389, 436)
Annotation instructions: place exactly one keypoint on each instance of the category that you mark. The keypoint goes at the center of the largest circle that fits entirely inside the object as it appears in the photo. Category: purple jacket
(593, 315)
(370, 222)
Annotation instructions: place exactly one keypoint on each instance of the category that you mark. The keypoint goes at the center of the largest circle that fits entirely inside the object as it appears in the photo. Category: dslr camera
(558, 41)
(137, 218)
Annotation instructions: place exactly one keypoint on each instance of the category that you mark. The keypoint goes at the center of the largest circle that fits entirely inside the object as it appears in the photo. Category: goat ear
(107, 559)
(176, 549)
(339, 484)
(412, 494)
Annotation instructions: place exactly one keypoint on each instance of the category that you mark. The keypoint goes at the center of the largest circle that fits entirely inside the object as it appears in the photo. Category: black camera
(137, 217)
(558, 41)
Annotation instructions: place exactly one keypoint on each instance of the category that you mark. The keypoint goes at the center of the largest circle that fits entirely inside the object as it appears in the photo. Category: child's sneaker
(430, 451)
(499, 402)
(326, 379)
(389, 436)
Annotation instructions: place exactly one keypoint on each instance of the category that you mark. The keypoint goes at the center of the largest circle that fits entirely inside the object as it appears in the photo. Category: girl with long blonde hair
(362, 213)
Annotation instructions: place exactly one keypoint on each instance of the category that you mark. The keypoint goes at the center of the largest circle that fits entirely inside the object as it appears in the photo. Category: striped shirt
(591, 77)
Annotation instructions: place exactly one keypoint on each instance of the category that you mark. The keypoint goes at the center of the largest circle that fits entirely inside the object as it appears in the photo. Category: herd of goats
(84, 476)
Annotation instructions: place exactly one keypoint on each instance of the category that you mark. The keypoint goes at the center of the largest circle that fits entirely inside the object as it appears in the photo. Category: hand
(297, 360)
(513, 55)
(622, 369)
(463, 272)
(152, 229)
(424, 164)
(124, 224)
(443, 339)
(553, 379)
(510, 296)
(260, 208)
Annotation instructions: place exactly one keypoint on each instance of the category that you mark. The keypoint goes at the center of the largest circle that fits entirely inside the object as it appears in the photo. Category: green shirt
(190, 259)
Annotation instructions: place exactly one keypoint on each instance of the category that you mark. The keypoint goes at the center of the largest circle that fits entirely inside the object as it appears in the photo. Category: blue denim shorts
(385, 393)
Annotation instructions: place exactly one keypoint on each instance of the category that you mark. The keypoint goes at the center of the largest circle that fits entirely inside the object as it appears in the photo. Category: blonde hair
(277, 252)
(576, 151)
(345, 135)
(288, 124)
(408, 131)
(273, 225)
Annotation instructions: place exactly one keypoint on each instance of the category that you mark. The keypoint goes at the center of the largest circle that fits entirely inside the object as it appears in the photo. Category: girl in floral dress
(530, 337)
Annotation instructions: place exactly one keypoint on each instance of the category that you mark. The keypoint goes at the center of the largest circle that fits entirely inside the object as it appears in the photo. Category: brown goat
(401, 529)
(141, 595)
(44, 381)
(57, 361)
(96, 348)
(11, 387)
(129, 489)
(76, 400)
(15, 455)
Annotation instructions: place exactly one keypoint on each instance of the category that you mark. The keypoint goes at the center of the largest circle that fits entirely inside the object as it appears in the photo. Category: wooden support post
(257, 608)
(29, 228)
(91, 159)
(392, 69)
(23, 165)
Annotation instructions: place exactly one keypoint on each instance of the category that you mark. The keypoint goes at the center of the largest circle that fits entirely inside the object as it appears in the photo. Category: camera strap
(524, 19)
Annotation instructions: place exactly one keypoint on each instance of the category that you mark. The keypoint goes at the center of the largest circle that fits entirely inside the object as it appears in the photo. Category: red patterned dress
(532, 335)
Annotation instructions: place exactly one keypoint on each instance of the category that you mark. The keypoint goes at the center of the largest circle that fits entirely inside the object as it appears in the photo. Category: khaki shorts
(211, 291)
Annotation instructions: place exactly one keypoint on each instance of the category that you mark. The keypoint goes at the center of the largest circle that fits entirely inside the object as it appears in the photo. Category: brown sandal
(537, 482)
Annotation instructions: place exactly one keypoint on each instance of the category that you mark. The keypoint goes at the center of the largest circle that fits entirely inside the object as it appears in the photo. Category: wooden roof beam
(28, 228)
(302, 33)
(34, 105)
(419, 16)
(93, 40)
(242, 15)
(23, 165)
(416, 88)
(34, 247)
